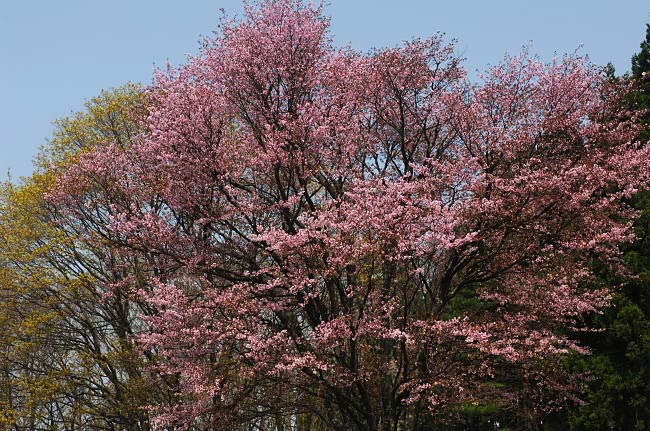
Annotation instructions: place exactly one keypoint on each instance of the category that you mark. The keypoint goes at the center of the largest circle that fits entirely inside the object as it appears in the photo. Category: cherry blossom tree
(369, 241)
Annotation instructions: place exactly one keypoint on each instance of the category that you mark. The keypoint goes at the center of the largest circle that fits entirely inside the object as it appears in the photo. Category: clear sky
(55, 54)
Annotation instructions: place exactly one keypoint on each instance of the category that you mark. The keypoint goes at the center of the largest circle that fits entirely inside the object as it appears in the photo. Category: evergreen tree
(641, 60)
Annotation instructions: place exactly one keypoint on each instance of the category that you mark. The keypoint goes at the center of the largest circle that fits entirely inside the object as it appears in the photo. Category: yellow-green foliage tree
(68, 358)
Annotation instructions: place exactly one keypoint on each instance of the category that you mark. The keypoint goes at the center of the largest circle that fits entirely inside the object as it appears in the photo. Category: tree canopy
(285, 235)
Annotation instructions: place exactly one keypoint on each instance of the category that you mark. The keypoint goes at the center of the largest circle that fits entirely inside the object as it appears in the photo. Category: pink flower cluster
(310, 218)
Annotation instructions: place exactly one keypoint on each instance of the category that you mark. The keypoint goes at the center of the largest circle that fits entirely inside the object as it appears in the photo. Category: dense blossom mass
(368, 238)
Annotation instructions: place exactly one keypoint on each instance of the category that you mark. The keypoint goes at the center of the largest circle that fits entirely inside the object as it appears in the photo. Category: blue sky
(57, 54)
